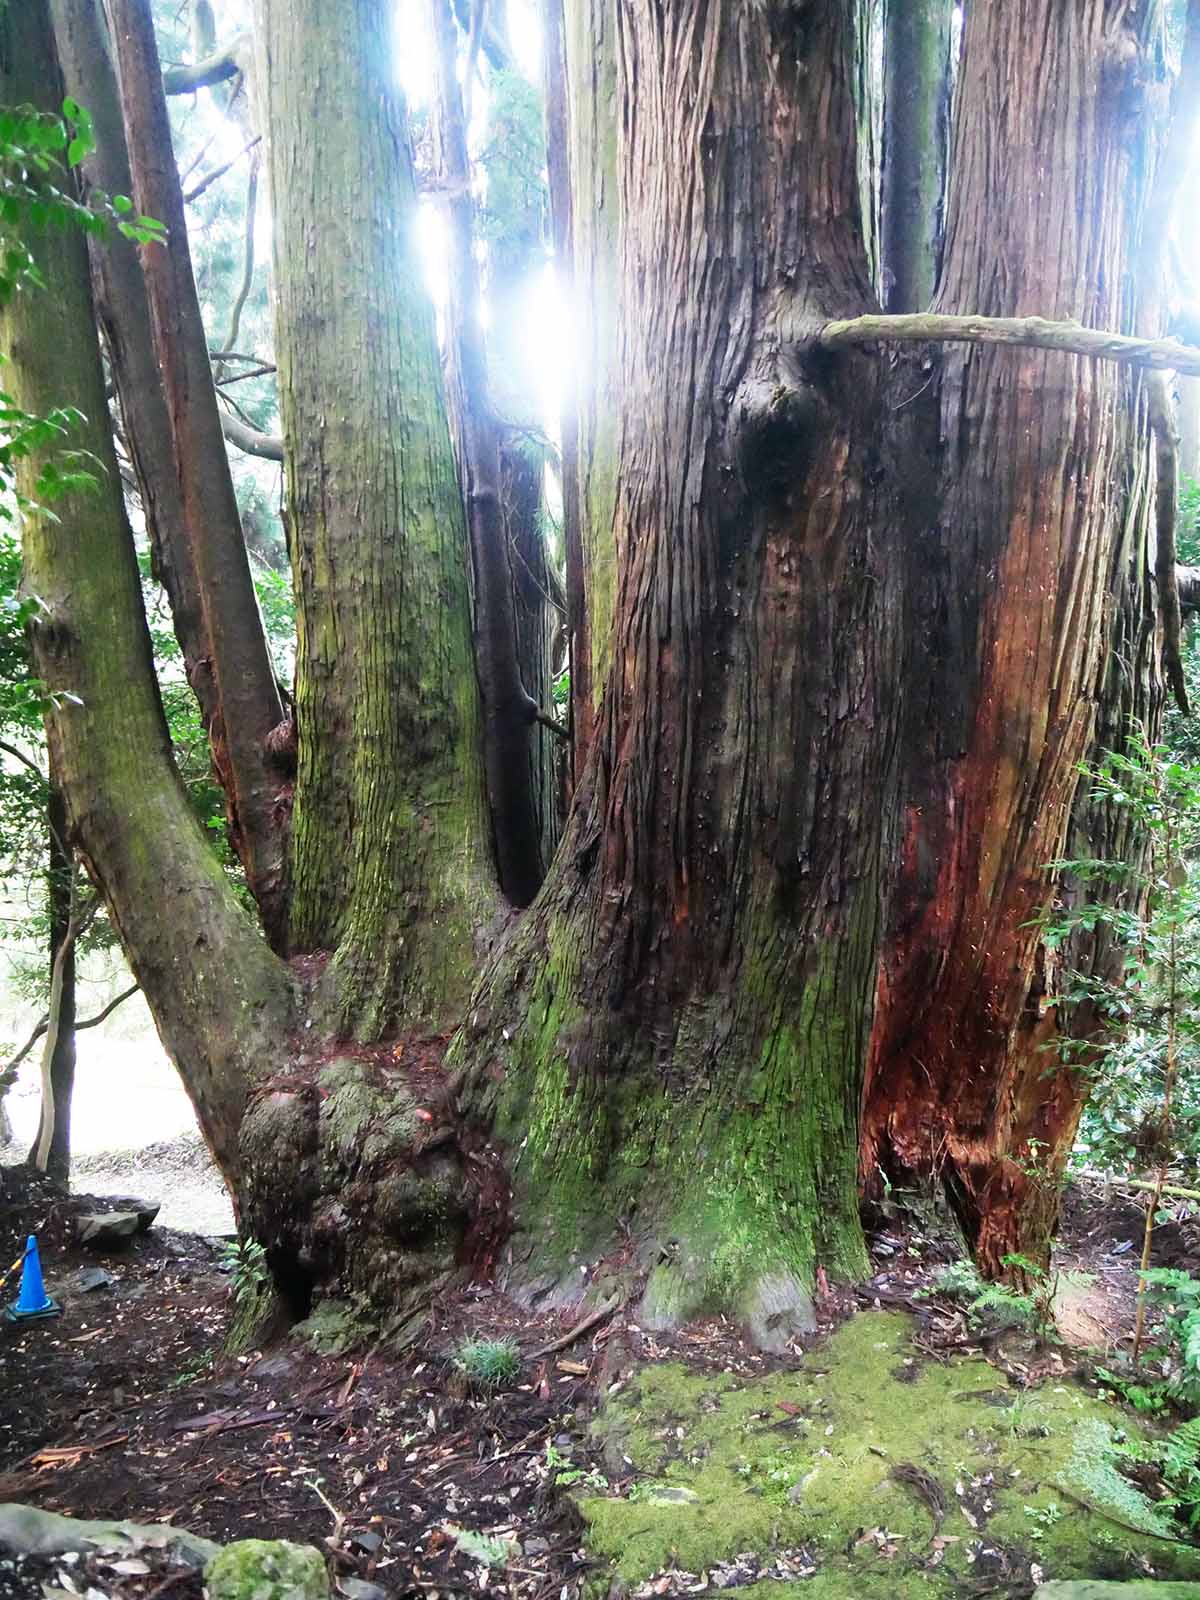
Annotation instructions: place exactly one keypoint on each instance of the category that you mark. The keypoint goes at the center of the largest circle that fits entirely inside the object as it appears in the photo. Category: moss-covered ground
(807, 1459)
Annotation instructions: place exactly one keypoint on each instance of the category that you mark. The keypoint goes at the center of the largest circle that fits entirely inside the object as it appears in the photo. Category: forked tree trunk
(223, 1003)
(1030, 572)
(675, 1037)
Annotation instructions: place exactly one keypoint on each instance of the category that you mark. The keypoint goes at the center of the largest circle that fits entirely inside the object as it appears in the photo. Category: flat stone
(26, 1531)
(670, 1495)
(267, 1569)
(361, 1589)
(106, 1227)
(88, 1279)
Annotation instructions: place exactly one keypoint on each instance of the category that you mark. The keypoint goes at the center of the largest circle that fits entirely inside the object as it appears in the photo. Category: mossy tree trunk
(674, 1039)
(1029, 608)
(390, 866)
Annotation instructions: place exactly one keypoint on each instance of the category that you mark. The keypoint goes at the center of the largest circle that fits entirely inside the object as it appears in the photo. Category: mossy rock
(803, 1460)
(267, 1569)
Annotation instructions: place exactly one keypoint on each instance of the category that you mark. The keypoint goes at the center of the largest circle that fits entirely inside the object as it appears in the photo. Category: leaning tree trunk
(389, 862)
(248, 707)
(675, 1037)
(222, 1001)
(1030, 571)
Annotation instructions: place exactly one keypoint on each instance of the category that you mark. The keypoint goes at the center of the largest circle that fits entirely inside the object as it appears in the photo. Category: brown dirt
(125, 1406)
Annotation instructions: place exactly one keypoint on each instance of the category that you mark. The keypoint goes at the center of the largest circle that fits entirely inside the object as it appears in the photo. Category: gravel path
(133, 1130)
(178, 1173)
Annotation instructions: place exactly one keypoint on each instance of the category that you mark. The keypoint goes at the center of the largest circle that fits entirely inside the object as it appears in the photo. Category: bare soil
(126, 1407)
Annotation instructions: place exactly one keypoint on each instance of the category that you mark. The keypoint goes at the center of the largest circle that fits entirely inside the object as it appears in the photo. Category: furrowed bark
(508, 710)
(389, 857)
(675, 1035)
(1035, 539)
(916, 132)
(248, 704)
(223, 1003)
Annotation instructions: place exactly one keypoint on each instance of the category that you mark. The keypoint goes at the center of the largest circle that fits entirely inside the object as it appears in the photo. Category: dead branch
(186, 77)
(1035, 333)
(219, 172)
(578, 1331)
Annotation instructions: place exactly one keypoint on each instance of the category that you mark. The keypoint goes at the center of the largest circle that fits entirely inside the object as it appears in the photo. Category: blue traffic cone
(33, 1301)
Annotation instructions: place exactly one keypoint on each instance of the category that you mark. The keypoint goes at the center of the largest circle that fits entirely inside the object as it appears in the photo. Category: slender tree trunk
(516, 153)
(183, 494)
(675, 1035)
(1031, 571)
(248, 704)
(916, 132)
(508, 709)
(389, 845)
(58, 1071)
(593, 252)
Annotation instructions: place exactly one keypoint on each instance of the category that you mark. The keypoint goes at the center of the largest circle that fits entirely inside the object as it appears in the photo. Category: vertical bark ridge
(1044, 210)
(689, 1000)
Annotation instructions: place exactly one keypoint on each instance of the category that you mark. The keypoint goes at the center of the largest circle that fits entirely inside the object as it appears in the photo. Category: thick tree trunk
(674, 1039)
(247, 707)
(1030, 573)
(389, 864)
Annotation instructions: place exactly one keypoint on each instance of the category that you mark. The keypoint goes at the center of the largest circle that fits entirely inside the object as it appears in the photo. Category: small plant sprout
(488, 1364)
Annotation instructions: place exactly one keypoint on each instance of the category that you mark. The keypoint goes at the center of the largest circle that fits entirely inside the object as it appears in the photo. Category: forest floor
(126, 1407)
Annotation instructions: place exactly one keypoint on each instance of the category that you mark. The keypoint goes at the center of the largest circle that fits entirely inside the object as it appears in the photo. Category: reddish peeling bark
(247, 704)
(1034, 553)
